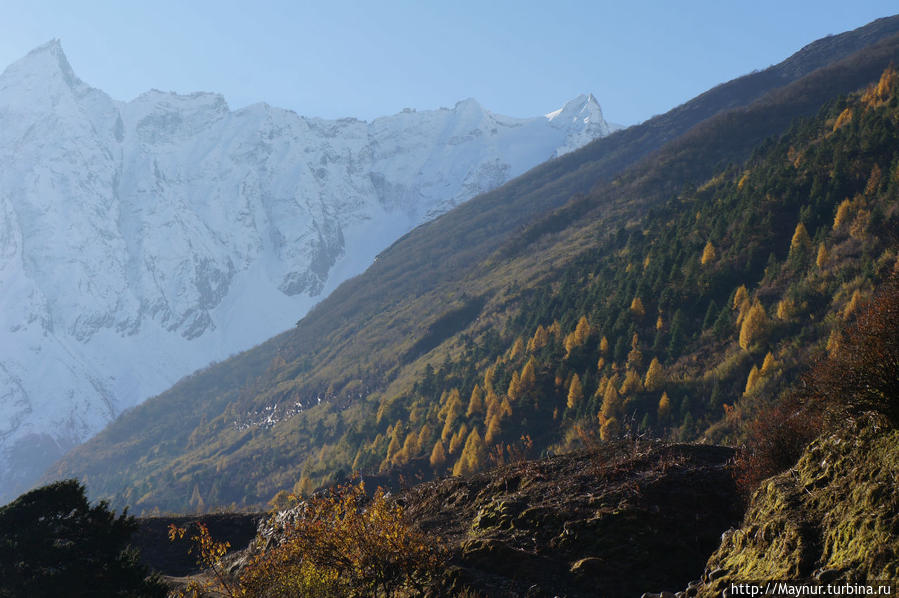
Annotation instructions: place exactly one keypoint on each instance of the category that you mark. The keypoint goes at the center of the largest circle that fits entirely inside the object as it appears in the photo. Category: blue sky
(367, 59)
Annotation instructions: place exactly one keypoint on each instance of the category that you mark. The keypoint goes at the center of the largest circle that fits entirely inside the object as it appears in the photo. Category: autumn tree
(612, 405)
(842, 215)
(527, 382)
(709, 254)
(475, 402)
(458, 438)
(452, 411)
(489, 374)
(654, 375)
(438, 455)
(741, 303)
(575, 392)
(769, 365)
(786, 309)
(664, 408)
(517, 348)
(632, 383)
(754, 326)
(604, 346)
(843, 119)
(514, 390)
(582, 331)
(821, 258)
(494, 431)
(873, 180)
(473, 455)
(752, 381)
(801, 243)
(852, 305)
(634, 356)
(609, 428)
(539, 340)
(637, 309)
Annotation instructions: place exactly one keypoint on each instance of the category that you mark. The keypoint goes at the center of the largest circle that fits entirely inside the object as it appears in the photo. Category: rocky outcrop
(834, 517)
(611, 523)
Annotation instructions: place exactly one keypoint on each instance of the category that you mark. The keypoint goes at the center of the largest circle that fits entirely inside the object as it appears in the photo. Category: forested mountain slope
(662, 302)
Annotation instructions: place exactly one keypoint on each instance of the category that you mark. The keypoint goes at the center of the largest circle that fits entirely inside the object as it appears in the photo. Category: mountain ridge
(142, 240)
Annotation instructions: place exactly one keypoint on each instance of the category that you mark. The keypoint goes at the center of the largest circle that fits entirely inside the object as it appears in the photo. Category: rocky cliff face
(832, 518)
(139, 241)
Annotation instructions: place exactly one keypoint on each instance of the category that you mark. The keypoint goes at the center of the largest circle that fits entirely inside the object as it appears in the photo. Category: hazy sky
(367, 59)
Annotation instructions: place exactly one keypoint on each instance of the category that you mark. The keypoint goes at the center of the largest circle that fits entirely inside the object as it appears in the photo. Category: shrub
(861, 374)
(776, 438)
(342, 545)
(54, 543)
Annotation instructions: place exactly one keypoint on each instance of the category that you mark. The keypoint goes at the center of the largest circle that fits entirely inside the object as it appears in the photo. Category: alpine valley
(142, 240)
(668, 359)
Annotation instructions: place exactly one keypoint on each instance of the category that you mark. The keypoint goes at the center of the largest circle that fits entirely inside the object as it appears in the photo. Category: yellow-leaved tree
(709, 254)
(842, 215)
(473, 455)
(438, 455)
(527, 382)
(637, 309)
(755, 326)
(458, 438)
(517, 348)
(752, 381)
(664, 410)
(801, 241)
(475, 402)
(612, 403)
(821, 259)
(514, 390)
(494, 430)
(655, 376)
(453, 410)
(575, 392)
(539, 340)
(632, 383)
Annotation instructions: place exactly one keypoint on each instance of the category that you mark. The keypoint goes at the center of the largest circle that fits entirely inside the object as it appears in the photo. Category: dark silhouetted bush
(54, 543)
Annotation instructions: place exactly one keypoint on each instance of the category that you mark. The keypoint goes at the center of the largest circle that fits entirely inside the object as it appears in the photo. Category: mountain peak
(45, 61)
(583, 106)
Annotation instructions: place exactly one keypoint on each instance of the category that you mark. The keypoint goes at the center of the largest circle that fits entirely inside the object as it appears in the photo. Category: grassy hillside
(666, 301)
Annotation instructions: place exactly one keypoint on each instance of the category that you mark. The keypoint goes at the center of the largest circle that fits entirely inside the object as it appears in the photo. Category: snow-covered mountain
(141, 240)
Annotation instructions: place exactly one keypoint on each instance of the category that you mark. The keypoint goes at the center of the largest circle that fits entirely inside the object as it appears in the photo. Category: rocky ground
(616, 523)
(629, 519)
(636, 519)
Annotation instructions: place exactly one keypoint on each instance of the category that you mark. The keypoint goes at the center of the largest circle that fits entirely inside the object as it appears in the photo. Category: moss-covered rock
(834, 516)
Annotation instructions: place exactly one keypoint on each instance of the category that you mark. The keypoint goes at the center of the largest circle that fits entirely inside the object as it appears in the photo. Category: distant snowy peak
(582, 109)
(141, 240)
(583, 117)
(41, 72)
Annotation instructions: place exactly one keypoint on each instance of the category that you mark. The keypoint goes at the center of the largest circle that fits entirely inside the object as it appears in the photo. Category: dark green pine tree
(54, 543)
